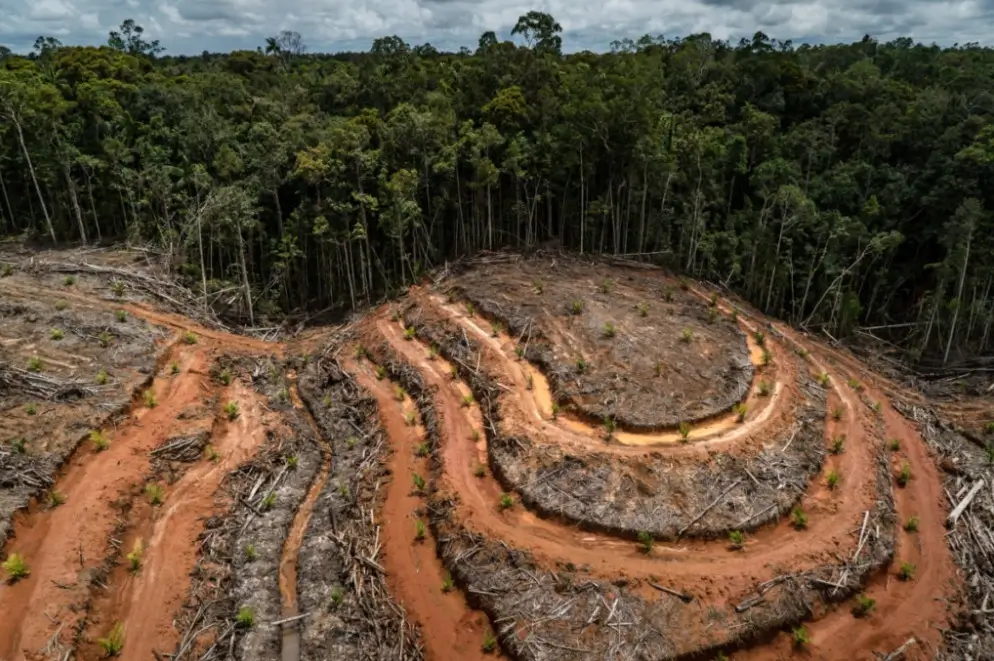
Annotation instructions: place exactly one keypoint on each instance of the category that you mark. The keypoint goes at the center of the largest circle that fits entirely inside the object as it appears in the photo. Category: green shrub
(337, 596)
(470, 308)
(838, 444)
(606, 287)
(419, 482)
(864, 605)
(381, 372)
(211, 453)
(61, 304)
(174, 368)
(56, 334)
(609, 330)
(149, 398)
(245, 619)
(448, 584)
(832, 480)
(423, 450)
(736, 539)
(100, 442)
(506, 501)
(231, 410)
(118, 288)
(55, 498)
(911, 525)
(760, 337)
(489, 642)
(767, 357)
(686, 335)
(838, 413)
(800, 636)
(684, 430)
(642, 309)
(270, 500)
(409, 333)
(31, 409)
(904, 476)
(906, 572)
(646, 541)
(114, 642)
(155, 493)
(467, 400)
(16, 567)
(576, 307)
(104, 339)
(225, 376)
(894, 444)
(419, 530)
(581, 365)
(250, 553)
(410, 419)
(765, 388)
(122, 316)
(20, 445)
(399, 393)
(292, 462)
(824, 379)
(798, 518)
(102, 378)
(135, 556)
(69, 280)
(480, 470)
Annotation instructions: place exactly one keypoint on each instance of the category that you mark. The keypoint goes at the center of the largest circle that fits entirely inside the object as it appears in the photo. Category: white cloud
(193, 25)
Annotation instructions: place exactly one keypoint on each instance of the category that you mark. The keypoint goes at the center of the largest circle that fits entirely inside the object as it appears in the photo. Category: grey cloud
(189, 26)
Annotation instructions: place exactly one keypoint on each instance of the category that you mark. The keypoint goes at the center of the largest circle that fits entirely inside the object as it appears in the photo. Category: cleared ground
(478, 469)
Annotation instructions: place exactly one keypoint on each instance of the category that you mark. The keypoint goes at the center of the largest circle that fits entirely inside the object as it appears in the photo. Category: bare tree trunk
(959, 298)
(75, 202)
(31, 169)
(10, 209)
(245, 280)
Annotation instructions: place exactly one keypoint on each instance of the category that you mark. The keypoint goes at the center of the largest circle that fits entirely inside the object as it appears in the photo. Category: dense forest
(837, 187)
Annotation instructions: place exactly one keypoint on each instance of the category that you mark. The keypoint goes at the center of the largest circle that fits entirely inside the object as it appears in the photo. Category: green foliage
(642, 309)
(610, 330)
(16, 567)
(419, 530)
(736, 539)
(467, 400)
(767, 356)
(410, 419)
(470, 308)
(20, 445)
(798, 518)
(423, 450)
(904, 475)
(56, 334)
(245, 619)
(100, 442)
(117, 287)
(399, 393)
(906, 572)
(135, 556)
(35, 364)
(989, 428)
(838, 444)
(448, 584)
(148, 397)
(800, 636)
(489, 642)
(155, 493)
(292, 462)
(121, 316)
(6, 270)
(555, 410)
(61, 304)
(225, 376)
(189, 337)
(646, 541)
(576, 308)
(31, 408)
(894, 444)
(686, 335)
(838, 413)
(911, 525)
(824, 379)
(410, 333)
(684, 430)
(864, 605)
(102, 378)
(760, 338)
(69, 280)
(250, 553)
(480, 470)
(55, 498)
(419, 482)
(268, 501)
(506, 501)
(582, 365)
(337, 596)
(114, 642)
(211, 453)
(231, 410)
(609, 424)
(104, 339)
(381, 372)
(832, 479)
(764, 388)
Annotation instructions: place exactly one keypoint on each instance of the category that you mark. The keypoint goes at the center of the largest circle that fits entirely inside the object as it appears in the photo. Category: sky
(192, 26)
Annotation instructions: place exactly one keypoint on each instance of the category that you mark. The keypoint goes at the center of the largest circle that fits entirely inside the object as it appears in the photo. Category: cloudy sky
(190, 26)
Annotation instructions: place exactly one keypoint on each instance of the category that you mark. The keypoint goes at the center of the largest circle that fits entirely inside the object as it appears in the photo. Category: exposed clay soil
(422, 485)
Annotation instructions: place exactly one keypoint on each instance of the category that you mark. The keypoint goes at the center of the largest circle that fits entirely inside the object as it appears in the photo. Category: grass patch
(832, 480)
(69, 280)
(292, 462)
(736, 539)
(155, 493)
(56, 334)
(409, 333)
(904, 475)
(838, 444)
(211, 453)
(906, 572)
(225, 376)
(467, 400)
(800, 636)
(381, 372)
(686, 335)
(31, 409)
(55, 498)
(16, 567)
(399, 393)
(189, 337)
(576, 308)
(419, 530)
(894, 444)
(135, 557)
(684, 430)
(506, 501)
(824, 379)
(117, 287)
(767, 357)
(864, 606)
(911, 525)
(268, 502)
(100, 442)
(480, 471)
(798, 518)
(582, 365)
(102, 378)
(61, 304)
(121, 316)
(765, 388)
(149, 398)
(760, 338)
(610, 330)
(448, 584)
(838, 413)
(231, 410)
(489, 643)
(245, 619)
(642, 309)
(35, 364)
(419, 482)
(114, 642)
(250, 553)
(646, 541)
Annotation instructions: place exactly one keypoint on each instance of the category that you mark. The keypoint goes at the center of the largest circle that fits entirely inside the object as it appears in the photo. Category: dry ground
(444, 479)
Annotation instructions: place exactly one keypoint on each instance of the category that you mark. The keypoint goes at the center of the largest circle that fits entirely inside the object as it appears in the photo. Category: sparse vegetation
(19, 445)
(609, 330)
(61, 304)
(31, 408)
(56, 334)
(55, 498)
(506, 501)
(189, 337)
(824, 379)
(581, 365)
(399, 393)
(609, 425)
(606, 287)
(419, 530)
(646, 541)
(555, 410)
(576, 307)
(16, 567)
(69, 280)
(684, 430)
(800, 636)
(864, 605)
(409, 333)
(381, 372)
(539, 287)
(250, 553)
(102, 378)
(736, 539)
(765, 388)
(114, 642)
(135, 556)
(448, 583)
(767, 356)
(245, 619)
(894, 444)
(906, 572)
(231, 410)
(854, 384)
(410, 418)
(292, 462)
(832, 479)
(100, 442)
(337, 596)
(467, 400)
(270, 500)
(489, 642)
(686, 335)
(760, 338)
(480, 470)
(838, 444)
(104, 339)
(470, 308)
(798, 518)
(211, 453)
(149, 398)
(432, 352)
(838, 413)
(155, 493)
(6, 270)
(904, 475)
(122, 316)
(419, 482)
(911, 525)
(225, 376)
(642, 309)
(117, 287)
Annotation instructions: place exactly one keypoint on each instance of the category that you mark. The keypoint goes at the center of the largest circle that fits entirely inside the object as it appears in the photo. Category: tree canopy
(835, 186)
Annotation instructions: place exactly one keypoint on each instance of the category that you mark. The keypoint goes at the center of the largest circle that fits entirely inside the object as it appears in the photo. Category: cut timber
(963, 504)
